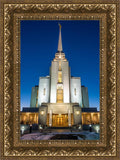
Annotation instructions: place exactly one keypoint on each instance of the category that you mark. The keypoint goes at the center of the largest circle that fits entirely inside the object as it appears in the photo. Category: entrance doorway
(60, 120)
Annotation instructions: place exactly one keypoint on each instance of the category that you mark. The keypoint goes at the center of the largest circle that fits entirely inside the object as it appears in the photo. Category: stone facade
(54, 76)
(85, 99)
(44, 90)
(76, 95)
(34, 97)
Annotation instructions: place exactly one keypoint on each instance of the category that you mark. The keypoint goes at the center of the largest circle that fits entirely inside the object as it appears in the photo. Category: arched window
(75, 91)
(44, 91)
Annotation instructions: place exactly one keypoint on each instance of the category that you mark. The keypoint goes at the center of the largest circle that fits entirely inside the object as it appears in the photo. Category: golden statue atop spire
(59, 25)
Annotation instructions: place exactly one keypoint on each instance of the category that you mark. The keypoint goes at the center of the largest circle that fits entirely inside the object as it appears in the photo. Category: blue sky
(39, 41)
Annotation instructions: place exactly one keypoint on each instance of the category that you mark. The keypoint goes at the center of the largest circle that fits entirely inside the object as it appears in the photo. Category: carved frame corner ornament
(12, 12)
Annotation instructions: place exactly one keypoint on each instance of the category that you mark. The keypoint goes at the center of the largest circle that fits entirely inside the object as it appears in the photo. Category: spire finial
(60, 55)
(59, 25)
(60, 39)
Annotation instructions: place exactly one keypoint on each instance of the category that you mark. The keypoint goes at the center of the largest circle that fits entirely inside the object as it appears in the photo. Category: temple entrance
(60, 120)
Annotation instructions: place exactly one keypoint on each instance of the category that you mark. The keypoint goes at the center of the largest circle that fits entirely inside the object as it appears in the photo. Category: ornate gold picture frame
(108, 13)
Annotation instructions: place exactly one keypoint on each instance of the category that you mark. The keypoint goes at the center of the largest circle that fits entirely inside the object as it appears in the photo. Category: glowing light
(22, 129)
(77, 112)
(79, 127)
(42, 112)
(40, 127)
(97, 129)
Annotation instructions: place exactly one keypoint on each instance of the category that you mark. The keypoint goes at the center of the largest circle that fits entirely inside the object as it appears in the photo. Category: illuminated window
(59, 65)
(75, 91)
(59, 76)
(59, 95)
(44, 91)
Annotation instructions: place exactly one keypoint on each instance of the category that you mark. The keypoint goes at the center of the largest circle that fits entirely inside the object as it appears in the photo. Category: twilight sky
(39, 41)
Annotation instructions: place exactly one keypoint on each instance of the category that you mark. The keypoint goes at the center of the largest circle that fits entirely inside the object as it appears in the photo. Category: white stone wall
(66, 81)
(85, 99)
(42, 118)
(43, 97)
(60, 108)
(54, 79)
(76, 85)
(77, 114)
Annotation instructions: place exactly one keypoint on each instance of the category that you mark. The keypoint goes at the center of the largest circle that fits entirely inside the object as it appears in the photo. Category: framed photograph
(59, 105)
(60, 79)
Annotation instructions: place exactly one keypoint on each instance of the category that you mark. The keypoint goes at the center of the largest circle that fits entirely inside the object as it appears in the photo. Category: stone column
(69, 118)
(50, 118)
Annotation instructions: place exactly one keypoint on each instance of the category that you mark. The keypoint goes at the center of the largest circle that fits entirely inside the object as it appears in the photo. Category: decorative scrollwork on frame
(9, 11)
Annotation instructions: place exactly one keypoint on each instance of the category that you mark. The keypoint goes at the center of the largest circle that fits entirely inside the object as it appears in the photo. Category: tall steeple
(60, 54)
(60, 39)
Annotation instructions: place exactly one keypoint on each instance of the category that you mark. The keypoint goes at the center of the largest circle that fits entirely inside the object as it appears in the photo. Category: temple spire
(60, 39)
(60, 55)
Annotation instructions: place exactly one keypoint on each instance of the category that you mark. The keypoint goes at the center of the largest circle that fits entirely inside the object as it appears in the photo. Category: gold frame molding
(107, 12)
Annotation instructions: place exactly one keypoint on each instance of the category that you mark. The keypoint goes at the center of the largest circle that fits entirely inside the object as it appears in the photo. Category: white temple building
(59, 100)
(59, 96)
